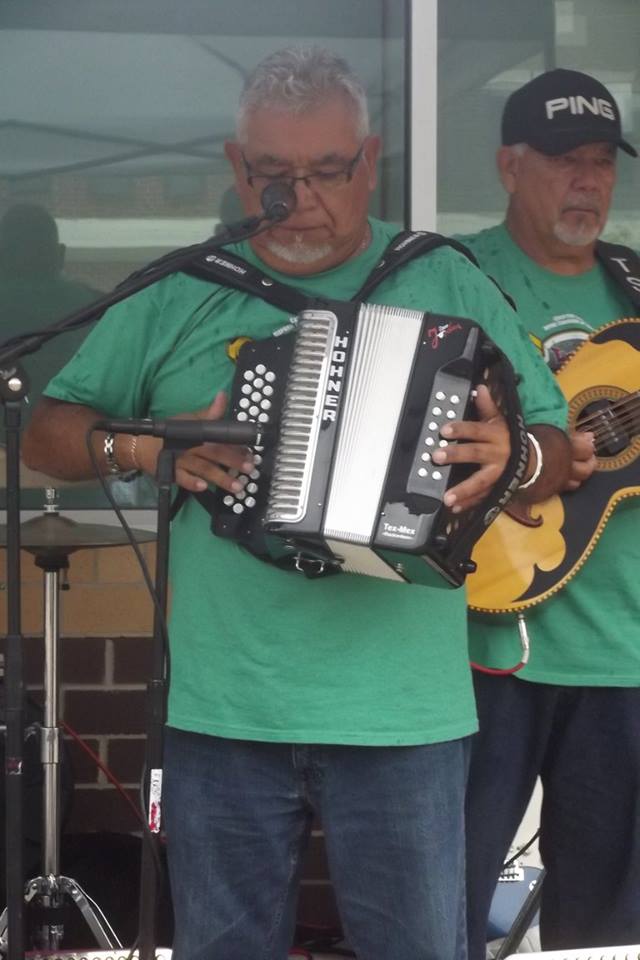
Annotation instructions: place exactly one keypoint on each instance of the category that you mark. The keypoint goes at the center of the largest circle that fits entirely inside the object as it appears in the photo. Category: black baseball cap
(561, 110)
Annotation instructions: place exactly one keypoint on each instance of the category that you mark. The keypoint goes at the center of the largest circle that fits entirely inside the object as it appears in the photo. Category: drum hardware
(51, 538)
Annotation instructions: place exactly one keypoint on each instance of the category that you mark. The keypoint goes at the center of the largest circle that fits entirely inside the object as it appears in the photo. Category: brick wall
(105, 658)
(105, 646)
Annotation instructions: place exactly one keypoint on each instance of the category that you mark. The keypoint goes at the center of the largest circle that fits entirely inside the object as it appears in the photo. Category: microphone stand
(13, 387)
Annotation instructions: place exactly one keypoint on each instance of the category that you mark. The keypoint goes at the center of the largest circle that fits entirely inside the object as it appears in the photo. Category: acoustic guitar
(526, 556)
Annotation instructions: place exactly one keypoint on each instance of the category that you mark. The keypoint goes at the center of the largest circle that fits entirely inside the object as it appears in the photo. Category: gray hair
(297, 79)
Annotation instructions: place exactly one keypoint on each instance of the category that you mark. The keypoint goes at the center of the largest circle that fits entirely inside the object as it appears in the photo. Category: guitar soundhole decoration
(613, 416)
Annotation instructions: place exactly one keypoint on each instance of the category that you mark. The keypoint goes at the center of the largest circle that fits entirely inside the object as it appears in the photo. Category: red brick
(82, 660)
(84, 768)
(132, 659)
(102, 712)
(125, 758)
(102, 808)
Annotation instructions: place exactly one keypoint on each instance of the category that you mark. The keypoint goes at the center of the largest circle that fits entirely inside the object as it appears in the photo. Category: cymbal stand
(48, 892)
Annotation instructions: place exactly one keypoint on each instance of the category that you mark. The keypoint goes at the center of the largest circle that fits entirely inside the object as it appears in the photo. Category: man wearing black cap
(572, 715)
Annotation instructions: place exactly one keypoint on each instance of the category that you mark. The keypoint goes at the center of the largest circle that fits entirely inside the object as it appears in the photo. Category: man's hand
(583, 459)
(208, 463)
(487, 445)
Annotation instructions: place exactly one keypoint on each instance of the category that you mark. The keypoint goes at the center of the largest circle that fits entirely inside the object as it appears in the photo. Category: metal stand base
(49, 893)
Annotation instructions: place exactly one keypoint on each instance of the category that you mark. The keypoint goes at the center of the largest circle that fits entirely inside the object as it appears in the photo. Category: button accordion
(351, 399)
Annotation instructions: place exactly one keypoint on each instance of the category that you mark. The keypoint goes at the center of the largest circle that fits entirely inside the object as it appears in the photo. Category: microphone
(188, 432)
(278, 200)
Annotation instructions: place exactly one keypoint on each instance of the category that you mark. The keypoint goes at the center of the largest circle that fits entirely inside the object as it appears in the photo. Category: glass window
(487, 50)
(112, 125)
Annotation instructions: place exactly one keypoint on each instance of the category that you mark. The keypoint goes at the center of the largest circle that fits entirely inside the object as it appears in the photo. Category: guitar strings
(626, 413)
(633, 400)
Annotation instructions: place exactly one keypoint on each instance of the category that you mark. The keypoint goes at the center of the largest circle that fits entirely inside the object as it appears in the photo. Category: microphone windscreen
(278, 200)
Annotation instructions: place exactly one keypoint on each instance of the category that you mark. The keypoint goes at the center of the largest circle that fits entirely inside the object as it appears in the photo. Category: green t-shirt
(262, 654)
(587, 633)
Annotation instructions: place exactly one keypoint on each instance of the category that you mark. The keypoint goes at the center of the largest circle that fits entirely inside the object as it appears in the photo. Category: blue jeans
(584, 743)
(238, 815)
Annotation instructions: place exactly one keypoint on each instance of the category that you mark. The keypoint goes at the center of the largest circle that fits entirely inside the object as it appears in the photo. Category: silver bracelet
(110, 453)
(538, 467)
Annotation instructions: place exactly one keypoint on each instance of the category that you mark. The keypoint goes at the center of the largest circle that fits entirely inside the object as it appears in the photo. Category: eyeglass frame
(348, 170)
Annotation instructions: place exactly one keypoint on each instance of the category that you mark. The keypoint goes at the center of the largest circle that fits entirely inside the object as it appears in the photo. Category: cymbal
(51, 535)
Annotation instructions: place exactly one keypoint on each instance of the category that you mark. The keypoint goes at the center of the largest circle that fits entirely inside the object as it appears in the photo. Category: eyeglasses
(315, 180)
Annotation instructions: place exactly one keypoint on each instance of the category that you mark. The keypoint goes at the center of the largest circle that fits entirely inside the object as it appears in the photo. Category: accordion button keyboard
(445, 398)
(253, 405)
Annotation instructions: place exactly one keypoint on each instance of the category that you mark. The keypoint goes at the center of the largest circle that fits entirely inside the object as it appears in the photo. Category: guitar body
(521, 562)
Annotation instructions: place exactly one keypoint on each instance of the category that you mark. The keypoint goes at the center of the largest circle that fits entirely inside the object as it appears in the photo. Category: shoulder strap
(409, 244)
(405, 246)
(623, 264)
(231, 271)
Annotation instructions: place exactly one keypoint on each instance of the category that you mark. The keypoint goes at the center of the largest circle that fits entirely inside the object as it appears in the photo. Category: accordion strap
(231, 271)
